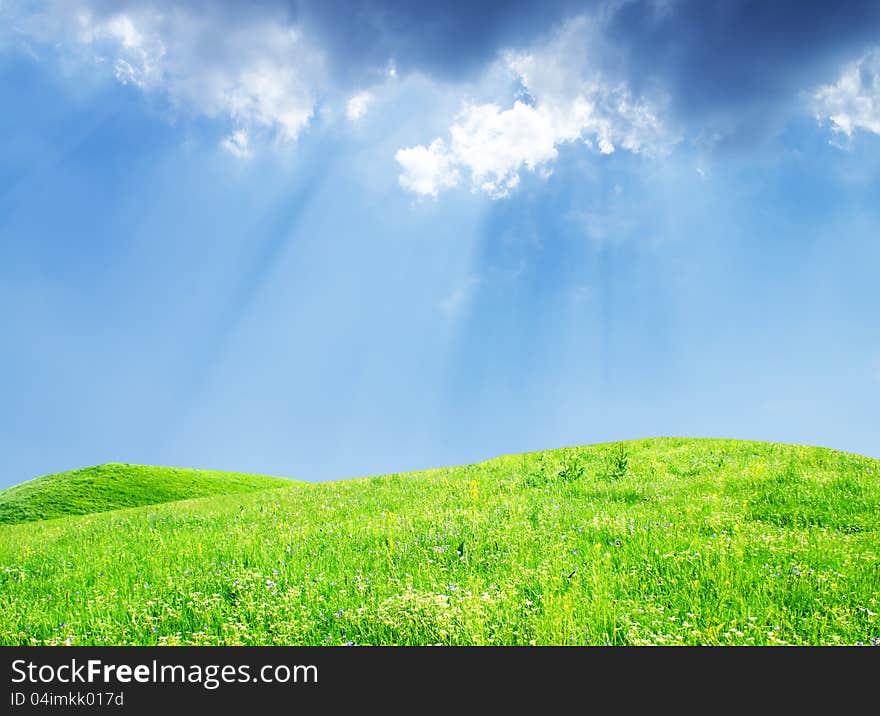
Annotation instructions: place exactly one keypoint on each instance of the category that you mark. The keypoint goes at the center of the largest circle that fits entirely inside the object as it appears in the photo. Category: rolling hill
(662, 541)
(115, 486)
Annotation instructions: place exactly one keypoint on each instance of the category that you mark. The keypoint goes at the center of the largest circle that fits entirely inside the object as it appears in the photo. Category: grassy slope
(694, 542)
(114, 486)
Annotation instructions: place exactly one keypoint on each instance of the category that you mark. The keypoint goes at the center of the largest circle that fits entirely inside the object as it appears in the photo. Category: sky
(333, 239)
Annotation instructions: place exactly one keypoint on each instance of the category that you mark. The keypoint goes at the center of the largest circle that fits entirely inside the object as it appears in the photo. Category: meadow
(662, 541)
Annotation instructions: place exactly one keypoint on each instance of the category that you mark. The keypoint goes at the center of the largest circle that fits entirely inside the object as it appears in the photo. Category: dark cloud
(718, 51)
(708, 52)
(447, 39)
(733, 66)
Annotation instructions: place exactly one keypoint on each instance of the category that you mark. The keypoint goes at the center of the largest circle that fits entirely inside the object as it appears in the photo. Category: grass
(114, 486)
(666, 541)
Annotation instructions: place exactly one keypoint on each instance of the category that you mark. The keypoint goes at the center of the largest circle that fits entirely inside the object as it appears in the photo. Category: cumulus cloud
(357, 105)
(568, 100)
(256, 71)
(853, 102)
(427, 170)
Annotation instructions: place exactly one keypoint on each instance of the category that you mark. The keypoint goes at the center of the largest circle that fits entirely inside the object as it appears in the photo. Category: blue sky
(332, 239)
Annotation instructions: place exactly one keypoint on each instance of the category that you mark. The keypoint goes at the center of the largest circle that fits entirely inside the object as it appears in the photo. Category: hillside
(665, 541)
(114, 486)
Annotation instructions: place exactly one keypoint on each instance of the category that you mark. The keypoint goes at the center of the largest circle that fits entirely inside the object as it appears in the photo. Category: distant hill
(114, 486)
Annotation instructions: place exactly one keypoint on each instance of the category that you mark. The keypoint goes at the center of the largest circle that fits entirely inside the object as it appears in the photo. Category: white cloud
(258, 73)
(853, 102)
(270, 95)
(356, 107)
(570, 101)
(427, 170)
(138, 58)
(238, 144)
(494, 144)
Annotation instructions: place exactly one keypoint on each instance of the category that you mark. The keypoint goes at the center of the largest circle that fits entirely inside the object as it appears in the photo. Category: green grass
(114, 486)
(667, 541)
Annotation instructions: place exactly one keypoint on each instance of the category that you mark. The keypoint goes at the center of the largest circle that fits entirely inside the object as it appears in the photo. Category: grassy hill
(114, 486)
(666, 541)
